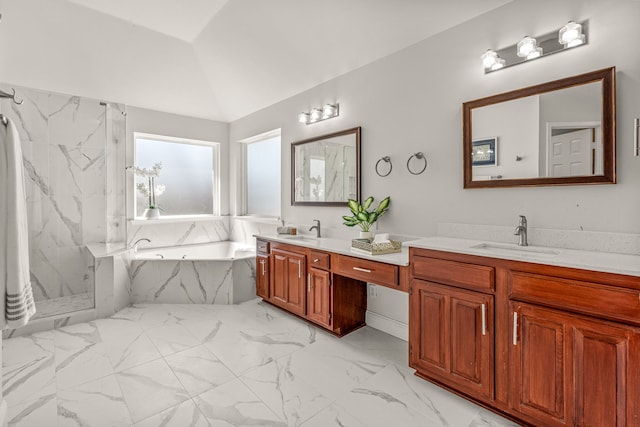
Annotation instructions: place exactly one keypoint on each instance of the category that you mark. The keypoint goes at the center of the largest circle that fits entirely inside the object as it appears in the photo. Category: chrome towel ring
(385, 159)
(420, 156)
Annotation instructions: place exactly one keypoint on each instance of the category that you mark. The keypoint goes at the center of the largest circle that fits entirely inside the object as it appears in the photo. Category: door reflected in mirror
(562, 132)
(326, 170)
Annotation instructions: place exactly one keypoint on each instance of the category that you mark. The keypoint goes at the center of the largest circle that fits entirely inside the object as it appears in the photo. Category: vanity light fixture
(329, 111)
(571, 35)
(528, 48)
(491, 60)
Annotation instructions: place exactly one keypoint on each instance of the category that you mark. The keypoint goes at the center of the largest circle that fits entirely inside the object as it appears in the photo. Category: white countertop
(103, 250)
(339, 246)
(588, 260)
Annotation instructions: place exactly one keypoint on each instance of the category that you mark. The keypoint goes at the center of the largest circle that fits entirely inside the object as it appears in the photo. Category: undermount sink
(506, 248)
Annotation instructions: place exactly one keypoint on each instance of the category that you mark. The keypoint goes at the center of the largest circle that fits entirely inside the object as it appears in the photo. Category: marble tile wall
(243, 229)
(63, 143)
(192, 282)
(172, 233)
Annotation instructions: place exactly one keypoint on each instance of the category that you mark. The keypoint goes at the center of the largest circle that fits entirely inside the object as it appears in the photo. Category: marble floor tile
(233, 404)
(199, 370)
(335, 368)
(171, 339)
(150, 388)
(244, 349)
(186, 414)
(127, 345)
(289, 396)
(333, 416)
(96, 403)
(41, 411)
(205, 365)
(80, 355)
(28, 373)
(445, 408)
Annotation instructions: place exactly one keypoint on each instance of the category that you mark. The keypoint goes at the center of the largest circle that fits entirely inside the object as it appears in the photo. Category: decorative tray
(365, 245)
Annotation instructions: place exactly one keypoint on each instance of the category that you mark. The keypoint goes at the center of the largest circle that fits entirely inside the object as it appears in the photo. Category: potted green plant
(364, 217)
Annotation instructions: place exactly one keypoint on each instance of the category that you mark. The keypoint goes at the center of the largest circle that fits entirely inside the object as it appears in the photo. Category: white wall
(411, 101)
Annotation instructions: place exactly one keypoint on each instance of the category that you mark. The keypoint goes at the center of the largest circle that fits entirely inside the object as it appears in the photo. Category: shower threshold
(63, 305)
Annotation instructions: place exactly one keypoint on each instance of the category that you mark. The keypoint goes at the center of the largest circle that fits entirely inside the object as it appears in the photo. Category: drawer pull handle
(316, 260)
(484, 319)
(309, 282)
(515, 328)
(299, 270)
(262, 263)
(364, 270)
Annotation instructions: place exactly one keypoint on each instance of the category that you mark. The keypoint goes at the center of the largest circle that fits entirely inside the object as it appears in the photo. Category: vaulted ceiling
(216, 59)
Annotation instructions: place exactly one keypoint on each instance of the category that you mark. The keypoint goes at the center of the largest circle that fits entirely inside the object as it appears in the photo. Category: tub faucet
(135, 245)
(316, 227)
(521, 231)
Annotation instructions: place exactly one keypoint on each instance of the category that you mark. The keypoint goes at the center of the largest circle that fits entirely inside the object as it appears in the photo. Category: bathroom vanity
(542, 344)
(322, 281)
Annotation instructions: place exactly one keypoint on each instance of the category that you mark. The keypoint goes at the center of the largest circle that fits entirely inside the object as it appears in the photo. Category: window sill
(170, 219)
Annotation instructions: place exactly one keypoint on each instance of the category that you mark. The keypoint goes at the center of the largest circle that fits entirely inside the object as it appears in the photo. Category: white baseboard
(388, 325)
(4, 416)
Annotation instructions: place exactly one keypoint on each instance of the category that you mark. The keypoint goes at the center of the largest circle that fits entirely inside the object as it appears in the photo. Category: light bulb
(316, 114)
(303, 117)
(489, 58)
(526, 46)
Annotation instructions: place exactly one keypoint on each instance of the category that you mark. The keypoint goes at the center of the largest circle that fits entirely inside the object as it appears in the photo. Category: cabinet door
(429, 328)
(451, 336)
(606, 370)
(287, 286)
(471, 332)
(262, 276)
(540, 365)
(319, 296)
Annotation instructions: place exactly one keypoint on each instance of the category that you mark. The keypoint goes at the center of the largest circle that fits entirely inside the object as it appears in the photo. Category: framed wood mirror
(325, 170)
(556, 133)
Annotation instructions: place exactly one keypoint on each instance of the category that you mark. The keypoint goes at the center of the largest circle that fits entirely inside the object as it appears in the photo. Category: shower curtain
(17, 303)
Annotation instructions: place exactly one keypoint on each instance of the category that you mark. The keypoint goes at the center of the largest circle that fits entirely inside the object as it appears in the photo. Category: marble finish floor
(216, 365)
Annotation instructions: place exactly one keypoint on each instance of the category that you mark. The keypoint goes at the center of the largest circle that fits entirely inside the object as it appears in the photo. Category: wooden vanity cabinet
(562, 345)
(451, 337)
(262, 269)
(287, 285)
(262, 275)
(319, 293)
(302, 282)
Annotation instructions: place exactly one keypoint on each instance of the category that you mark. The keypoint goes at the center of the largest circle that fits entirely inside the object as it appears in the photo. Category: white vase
(366, 235)
(151, 213)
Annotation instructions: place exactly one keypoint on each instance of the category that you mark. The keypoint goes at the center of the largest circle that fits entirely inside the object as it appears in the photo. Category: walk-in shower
(68, 144)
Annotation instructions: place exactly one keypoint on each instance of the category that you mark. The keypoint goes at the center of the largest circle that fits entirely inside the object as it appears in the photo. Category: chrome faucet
(521, 231)
(135, 245)
(316, 227)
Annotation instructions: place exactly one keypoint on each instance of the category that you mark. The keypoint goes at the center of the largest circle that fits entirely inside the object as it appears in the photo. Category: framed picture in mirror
(484, 151)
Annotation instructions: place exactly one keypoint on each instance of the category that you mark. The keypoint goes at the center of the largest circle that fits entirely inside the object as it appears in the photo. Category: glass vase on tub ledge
(152, 212)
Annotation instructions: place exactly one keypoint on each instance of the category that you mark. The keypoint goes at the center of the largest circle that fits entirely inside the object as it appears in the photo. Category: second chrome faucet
(316, 227)
(521, 231)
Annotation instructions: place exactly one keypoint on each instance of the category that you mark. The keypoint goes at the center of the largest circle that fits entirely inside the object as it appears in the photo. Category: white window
(188, 182)
(262, 174)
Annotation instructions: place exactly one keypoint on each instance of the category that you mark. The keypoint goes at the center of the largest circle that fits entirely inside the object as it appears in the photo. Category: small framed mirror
(325, 170)
(556, 133)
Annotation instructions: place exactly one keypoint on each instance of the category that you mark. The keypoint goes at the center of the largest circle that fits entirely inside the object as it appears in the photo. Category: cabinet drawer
(262, 247)
(454, 273)
(319, 260)
(593, 299)
(368, 271)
